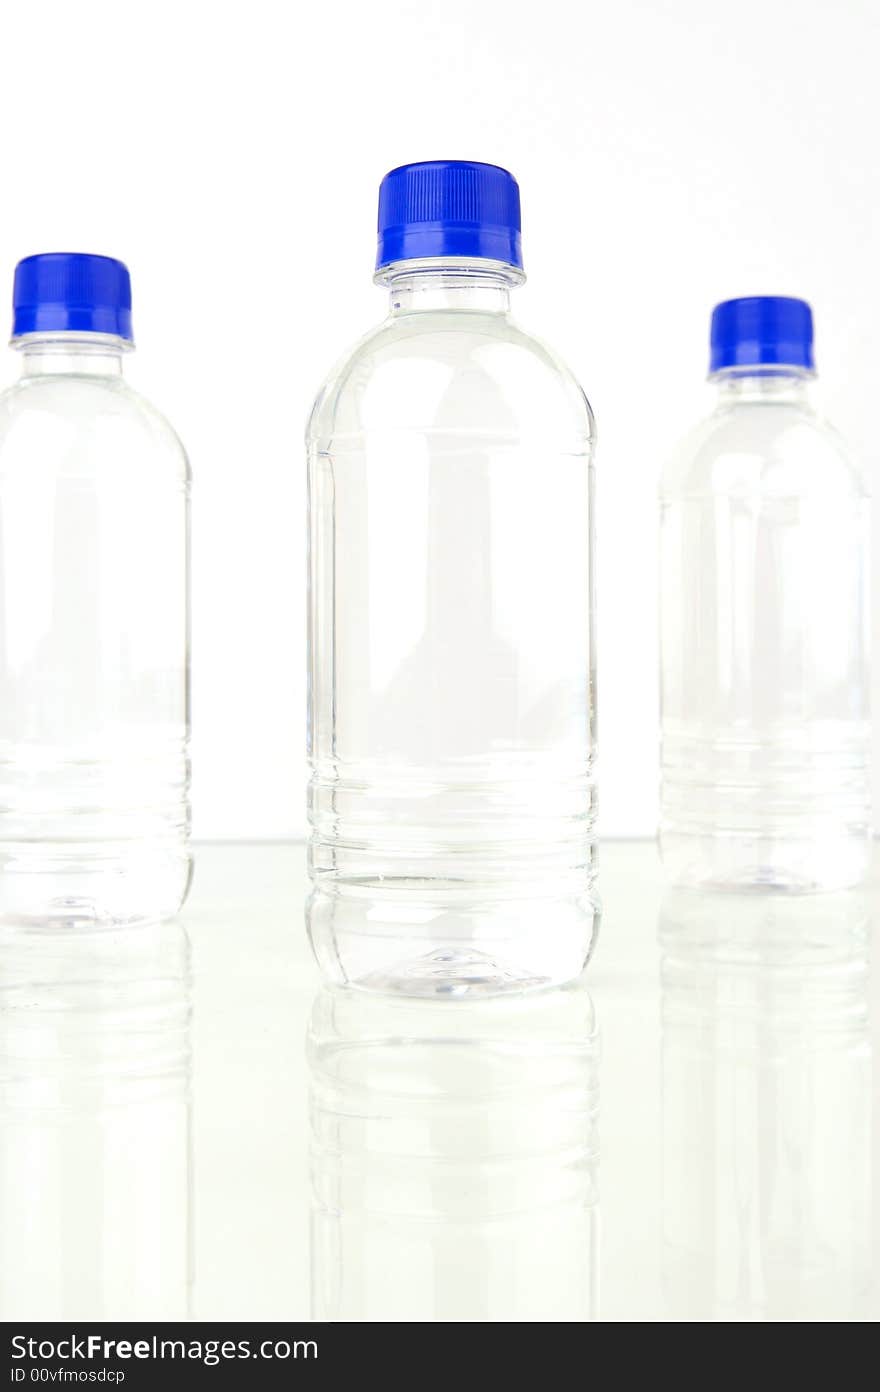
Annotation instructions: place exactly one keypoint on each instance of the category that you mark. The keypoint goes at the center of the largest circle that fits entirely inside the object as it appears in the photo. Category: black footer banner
(133, 1356)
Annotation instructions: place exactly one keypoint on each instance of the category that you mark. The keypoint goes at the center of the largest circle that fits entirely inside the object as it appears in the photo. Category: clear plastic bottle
(764, 628)
(94, 697)
(451, 687)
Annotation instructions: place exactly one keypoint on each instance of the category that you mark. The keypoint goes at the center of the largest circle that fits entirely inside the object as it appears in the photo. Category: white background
(670, 153)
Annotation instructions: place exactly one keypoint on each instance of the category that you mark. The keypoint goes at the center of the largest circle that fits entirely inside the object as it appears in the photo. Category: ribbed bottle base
(789, 813)
(449, 883)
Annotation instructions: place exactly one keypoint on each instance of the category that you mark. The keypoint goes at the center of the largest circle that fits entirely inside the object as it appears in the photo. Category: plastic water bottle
(94, 707)
(451, 688)
(765, 694)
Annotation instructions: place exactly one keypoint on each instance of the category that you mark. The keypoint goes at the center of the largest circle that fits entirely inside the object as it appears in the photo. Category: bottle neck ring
(449, 284)
(62, 354)
(763, 383)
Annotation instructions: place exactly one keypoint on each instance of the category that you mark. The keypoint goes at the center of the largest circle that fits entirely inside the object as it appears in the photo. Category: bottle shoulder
(777, 449)
(452, 371)
(64, 418)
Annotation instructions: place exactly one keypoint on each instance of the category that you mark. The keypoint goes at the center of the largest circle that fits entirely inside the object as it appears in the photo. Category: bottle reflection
(455, 1155)
(766, 1107)
(95, 1125)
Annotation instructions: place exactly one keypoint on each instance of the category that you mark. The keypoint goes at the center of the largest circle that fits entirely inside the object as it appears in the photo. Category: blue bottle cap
(762, 331)
(74, 292)
(449, 208)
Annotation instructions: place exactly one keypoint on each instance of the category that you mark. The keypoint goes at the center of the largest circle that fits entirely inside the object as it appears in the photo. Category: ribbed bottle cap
(761, 331)
(71, 291)
(449, 208)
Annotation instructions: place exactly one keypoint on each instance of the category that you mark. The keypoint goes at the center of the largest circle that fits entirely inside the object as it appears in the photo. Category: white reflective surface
(190, 1125)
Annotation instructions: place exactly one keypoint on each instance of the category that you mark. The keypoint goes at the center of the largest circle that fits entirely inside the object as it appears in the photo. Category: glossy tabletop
(190, 1127)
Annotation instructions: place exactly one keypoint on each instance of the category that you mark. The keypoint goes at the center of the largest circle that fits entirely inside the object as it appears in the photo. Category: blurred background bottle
(455, 1158)
(94, 698)
(767, 1107)
(95, 1125)
(451, 671)
(764, 624)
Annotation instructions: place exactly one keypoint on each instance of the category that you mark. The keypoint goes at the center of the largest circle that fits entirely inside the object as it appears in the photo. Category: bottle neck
(766, 385)
(71, 354)
(417, 287)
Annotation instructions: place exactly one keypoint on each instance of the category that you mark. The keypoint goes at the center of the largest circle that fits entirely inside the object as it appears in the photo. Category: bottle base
(767, 864)
(70, 887)
(419, 941)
